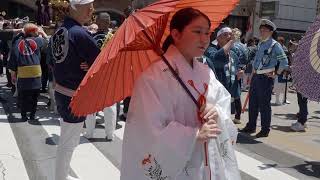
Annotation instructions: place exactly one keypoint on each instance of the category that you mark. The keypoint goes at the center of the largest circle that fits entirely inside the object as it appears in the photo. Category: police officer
(24, 64)
(73, 51)
(102, 36)
(270, 60)
(225, 59)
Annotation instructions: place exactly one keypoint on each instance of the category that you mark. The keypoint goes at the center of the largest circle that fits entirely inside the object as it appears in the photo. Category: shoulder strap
(265, 57)
(271, 47)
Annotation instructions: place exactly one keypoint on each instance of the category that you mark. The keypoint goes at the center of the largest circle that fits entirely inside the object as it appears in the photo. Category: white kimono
(160, 134)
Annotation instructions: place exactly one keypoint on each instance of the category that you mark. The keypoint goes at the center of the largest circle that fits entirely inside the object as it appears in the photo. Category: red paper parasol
(132, 49)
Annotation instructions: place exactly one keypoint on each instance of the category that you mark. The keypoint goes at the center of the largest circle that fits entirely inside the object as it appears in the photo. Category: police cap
(267, 23)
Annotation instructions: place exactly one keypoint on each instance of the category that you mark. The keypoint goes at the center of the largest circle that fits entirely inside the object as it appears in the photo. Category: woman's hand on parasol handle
(208, 131)
(209, 112)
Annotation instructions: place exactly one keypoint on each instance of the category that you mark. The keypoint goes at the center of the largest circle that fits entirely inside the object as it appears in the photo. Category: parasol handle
(158, 50)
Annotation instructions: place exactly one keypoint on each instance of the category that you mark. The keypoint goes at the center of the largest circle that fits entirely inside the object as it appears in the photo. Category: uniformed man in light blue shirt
(270, 60)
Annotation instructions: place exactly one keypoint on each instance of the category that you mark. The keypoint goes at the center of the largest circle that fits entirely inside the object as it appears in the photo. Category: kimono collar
(178, 60)
(181, 66)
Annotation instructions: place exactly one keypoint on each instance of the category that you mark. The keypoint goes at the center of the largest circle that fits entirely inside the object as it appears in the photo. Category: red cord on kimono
(202, 101)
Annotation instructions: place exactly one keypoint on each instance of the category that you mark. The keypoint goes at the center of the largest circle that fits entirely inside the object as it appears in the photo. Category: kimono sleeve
(172, 143)
(223, 107)
(223, 162)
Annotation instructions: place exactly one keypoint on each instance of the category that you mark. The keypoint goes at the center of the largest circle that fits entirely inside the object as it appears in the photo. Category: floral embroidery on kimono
(153, 168)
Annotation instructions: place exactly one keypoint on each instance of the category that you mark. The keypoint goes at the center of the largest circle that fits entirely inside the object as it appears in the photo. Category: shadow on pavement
(310, 168)
(281, 128)
(100, 126)
(247, 139)
(43, 115)
(95, 140)
(317, 112)
(267, 166)
(314, 117)
(288, 116)
(52, 140)
(40, 122)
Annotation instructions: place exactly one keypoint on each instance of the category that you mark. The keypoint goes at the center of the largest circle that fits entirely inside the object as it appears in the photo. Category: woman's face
(194, 39)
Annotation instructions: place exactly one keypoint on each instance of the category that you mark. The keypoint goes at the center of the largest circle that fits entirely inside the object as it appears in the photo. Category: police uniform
(71, 45)
(269, 58)
(25, 61)
(226, 68)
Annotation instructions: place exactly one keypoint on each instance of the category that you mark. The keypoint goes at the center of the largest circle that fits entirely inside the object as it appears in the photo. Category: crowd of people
(260, 66)
(37, 63)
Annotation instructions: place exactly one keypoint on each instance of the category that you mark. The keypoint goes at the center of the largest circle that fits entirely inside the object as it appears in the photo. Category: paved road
(28, 151)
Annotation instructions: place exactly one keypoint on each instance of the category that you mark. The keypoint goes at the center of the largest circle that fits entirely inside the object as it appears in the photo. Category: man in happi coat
(73, 51)
(225, 59)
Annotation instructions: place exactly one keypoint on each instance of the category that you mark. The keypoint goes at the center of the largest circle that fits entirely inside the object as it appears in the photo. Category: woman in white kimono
(164, 137)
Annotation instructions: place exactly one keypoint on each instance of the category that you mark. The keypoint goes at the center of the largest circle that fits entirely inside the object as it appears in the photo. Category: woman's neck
(190, 62)
(188, 59)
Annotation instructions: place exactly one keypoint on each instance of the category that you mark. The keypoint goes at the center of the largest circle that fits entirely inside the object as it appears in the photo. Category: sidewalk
(305, 145)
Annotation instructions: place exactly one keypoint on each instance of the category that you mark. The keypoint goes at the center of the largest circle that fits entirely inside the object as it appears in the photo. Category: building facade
(318, 7)
(292, 17)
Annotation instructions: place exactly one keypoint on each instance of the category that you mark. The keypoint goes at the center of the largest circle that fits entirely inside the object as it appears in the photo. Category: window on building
(268, 8)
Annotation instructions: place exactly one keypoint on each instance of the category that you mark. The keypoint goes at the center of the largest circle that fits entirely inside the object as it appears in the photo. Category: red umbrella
(132, 49)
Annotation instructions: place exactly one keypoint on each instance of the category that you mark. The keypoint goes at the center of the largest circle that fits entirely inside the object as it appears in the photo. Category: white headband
(224, 30)
(81, 2)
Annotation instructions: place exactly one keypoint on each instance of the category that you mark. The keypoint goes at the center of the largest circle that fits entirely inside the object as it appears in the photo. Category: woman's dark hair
(180, 20)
